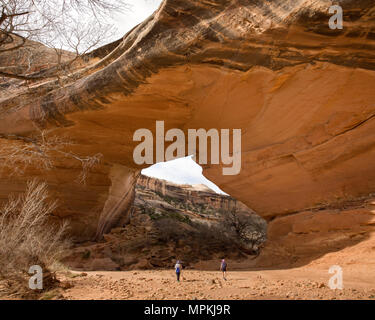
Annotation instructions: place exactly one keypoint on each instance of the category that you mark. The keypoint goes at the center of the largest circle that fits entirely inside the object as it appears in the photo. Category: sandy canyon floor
(307, 282)
(306, 278)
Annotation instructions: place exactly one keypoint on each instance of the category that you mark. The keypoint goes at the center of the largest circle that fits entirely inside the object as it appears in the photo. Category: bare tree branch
(17, 153)
(74, 25)
(18, 76)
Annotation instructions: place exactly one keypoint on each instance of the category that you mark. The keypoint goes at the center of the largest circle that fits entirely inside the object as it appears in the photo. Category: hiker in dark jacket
(223, 268)
(178, 268)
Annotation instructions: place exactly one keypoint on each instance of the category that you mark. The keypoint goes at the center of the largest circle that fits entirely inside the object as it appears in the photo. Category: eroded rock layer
(196, 196)
(302, 94)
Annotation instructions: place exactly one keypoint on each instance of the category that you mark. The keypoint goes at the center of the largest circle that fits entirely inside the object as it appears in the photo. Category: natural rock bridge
(302, 94)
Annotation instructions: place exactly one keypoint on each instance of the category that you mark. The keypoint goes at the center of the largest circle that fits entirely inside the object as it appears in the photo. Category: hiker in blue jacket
(178, 268)
(223, 268)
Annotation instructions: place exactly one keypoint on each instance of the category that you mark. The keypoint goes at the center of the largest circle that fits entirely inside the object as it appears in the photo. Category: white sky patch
(139, 11)
(181, 171)
(184, 170)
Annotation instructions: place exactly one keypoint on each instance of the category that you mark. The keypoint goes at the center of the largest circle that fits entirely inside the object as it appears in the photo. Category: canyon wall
(168, 222)
(302, 94)
(337, 235)
(196, 195)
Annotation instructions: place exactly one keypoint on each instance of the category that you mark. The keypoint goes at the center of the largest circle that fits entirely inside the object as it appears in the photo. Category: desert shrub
(231, 236)
(212, 236)
(151, 212)
(156, 215)
(177, 216)
(168, 230)
(27, 236)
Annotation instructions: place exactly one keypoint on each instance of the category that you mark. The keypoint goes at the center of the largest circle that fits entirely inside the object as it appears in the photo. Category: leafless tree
(27, 236)
(39, 150)
(74, 25)
(250, 230)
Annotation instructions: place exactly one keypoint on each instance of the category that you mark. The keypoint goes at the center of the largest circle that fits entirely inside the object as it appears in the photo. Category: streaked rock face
(196, 196)
(302, 94)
